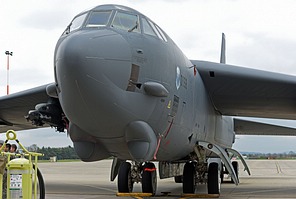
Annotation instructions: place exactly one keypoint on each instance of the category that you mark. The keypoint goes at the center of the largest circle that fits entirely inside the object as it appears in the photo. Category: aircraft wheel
(178, 179)
(235, 167)
(213, 178)
(149, 178)
(189, 178)
(125, 182)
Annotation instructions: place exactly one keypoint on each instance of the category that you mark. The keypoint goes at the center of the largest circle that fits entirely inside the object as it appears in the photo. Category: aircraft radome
(123, 89)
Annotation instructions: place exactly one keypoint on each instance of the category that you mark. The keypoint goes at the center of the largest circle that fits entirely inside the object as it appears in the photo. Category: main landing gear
(130, 173)
(189, 176)
(193, 175)
(214, 178)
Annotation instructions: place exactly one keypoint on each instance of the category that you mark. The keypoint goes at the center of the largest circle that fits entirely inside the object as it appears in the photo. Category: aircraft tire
(213, 178)
(149, 178)
(235, 167)
(125, 183)
(189, 178)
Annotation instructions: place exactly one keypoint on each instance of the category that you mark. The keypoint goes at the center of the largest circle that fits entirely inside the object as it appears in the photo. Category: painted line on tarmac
(183, 196)
(278, 167)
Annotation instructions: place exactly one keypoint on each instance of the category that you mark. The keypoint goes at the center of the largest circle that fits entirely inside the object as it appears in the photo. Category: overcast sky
(259, 34)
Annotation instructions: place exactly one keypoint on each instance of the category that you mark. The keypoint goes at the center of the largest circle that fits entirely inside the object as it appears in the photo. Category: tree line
(284, 155)
(62, 153)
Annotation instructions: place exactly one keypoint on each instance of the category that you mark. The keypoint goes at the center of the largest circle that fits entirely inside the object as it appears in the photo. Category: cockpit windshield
(97, 19)
(126, 21)
(122, 20)
(75, 24)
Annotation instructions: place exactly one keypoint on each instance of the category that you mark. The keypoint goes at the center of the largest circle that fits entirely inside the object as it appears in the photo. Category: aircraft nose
(88, 53)
(89, 67)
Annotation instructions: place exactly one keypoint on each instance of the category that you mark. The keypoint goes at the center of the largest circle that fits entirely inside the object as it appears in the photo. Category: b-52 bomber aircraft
(123, 89)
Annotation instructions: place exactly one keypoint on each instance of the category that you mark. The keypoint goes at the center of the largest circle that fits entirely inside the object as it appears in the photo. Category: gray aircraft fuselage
(131, 94)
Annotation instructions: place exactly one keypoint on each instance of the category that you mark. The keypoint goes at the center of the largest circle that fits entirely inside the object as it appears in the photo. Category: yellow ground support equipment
(22, 172)
(19, 181)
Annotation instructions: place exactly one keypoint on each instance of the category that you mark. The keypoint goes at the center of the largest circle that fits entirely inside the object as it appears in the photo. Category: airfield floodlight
(8, 53)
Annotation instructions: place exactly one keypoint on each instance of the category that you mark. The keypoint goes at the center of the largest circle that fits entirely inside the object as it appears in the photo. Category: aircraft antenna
(222, 56)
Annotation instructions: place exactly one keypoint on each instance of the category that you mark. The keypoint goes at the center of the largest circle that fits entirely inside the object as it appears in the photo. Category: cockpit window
(155, 30)
(97, 19)
(75, 24)
(161, 32)
(125, 21)
(150, 28)
(147, 28)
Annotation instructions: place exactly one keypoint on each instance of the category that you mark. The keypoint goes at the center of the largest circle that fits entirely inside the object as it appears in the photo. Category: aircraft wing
(14, 108)
(247, 127)
(238, 91)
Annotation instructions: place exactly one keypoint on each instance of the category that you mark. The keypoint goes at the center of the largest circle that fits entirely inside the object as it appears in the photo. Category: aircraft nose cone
(89, 68)
(84, 52)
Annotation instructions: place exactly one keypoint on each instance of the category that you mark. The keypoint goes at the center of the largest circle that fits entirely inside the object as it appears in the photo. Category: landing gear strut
(235, 167)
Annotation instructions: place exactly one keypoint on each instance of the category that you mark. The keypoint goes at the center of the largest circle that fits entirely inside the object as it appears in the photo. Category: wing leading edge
(14, 108)
(238, 91)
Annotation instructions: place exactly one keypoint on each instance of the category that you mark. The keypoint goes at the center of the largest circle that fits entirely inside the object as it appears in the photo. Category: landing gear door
(241, 158)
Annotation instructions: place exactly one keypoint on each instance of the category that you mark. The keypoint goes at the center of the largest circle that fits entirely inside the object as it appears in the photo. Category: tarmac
(269, 179)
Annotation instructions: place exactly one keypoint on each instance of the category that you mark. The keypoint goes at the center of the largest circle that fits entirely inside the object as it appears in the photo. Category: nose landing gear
(149, 178)
(140, 173)
(125, 181)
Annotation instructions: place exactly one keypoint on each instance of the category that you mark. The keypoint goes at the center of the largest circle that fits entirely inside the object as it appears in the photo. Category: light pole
(8, 53)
